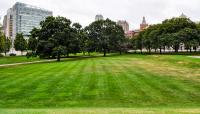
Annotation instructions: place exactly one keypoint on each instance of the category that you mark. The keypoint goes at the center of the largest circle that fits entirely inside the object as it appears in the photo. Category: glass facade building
(26, 17)
(23, 18)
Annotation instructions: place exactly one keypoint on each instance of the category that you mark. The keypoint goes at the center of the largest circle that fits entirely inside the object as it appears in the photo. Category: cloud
(84, 11)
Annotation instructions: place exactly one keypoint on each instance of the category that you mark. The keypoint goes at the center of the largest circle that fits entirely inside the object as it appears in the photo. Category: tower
(98, 17)
(124, 24)
(144, 24)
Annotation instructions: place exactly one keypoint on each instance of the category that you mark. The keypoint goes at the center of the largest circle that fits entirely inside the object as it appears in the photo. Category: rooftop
(31, 6)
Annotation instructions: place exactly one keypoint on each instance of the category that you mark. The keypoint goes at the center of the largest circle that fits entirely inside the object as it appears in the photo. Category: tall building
(182, 16)
(8, 23)
(144, 24)
(22, 18)
(1, 28)
(98, 17)
(124, 25)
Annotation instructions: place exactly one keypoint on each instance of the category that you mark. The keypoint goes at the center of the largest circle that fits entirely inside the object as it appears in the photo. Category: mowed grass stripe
(88, 90)
(113, 88)
(26, 87)
(131, 87)
(137, 86)
(10, 74)
(115, 81)
(167, 86)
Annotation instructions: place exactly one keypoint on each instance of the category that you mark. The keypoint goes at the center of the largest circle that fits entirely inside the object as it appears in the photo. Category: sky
(84, 11)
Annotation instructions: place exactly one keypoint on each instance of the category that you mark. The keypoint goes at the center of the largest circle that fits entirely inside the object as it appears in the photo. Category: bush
(1, 55)
(12, 54)
(31, 54)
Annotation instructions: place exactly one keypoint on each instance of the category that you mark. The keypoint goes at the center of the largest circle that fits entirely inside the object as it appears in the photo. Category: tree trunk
(104, 52)
(164, 49)
(120, 51)
(160, 50)
(149, 50)
(58, 56)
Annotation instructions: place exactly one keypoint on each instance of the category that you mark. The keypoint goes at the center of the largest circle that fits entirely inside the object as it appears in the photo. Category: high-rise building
(144, 24)
(22, 18)
(1, 28)
(98, 17)
(182, 16)
(124, 25)
(8, 23)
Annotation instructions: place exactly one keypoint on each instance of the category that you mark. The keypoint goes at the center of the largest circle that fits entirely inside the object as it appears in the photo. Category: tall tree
(105, 35)
(20, 43)
(7, 44)
(2, 42)
(54, 33)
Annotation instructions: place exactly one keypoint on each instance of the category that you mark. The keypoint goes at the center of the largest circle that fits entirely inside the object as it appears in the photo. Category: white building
(99, 17)
(124, 25)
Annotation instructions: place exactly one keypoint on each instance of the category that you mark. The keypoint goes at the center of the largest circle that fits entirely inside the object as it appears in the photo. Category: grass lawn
(17, 59)
(127, 83)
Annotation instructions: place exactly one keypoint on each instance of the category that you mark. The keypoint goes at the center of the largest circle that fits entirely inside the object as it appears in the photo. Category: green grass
(127, 81)
(103, 111)
(17, 59)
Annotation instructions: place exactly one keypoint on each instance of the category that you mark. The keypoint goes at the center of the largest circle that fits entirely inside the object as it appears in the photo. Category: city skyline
(132, 11)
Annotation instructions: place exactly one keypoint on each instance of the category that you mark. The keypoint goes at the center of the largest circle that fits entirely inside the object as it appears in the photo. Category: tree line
(58, 36)
(171, 33)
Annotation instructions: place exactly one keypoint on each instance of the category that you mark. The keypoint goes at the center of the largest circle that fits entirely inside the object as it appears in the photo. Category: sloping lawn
(127, 81)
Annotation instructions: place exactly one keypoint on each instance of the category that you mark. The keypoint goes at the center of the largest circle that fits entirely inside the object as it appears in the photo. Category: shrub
(1, 55)
(31, 54)
(12, 54)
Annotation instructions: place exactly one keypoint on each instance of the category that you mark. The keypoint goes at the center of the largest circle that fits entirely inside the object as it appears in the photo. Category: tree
(2, 42)
(54, 33)
(32, 44)
(105, 35)
(7, 45)
(20, 43)
(139, 41)
(171, 33)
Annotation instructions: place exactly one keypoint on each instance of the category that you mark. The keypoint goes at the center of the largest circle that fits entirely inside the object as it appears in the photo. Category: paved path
(24, 63)
(195, 57)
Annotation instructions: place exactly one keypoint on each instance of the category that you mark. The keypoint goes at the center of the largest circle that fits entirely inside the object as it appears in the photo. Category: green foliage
(32, 44)
(105, 36)
(5, 43)
(58, 37)
(171, 33)
(20, 43)
(2, 42)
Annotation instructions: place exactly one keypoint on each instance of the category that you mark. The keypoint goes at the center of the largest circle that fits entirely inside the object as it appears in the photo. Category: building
(124, 25)
(8, 23)
(4, 23)
(1, 28)
(132, 33)
(182, 16)
(99, 17)
(22, 18)
(144, 24)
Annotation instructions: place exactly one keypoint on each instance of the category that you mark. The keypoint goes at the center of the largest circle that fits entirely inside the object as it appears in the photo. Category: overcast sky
(84, 11)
